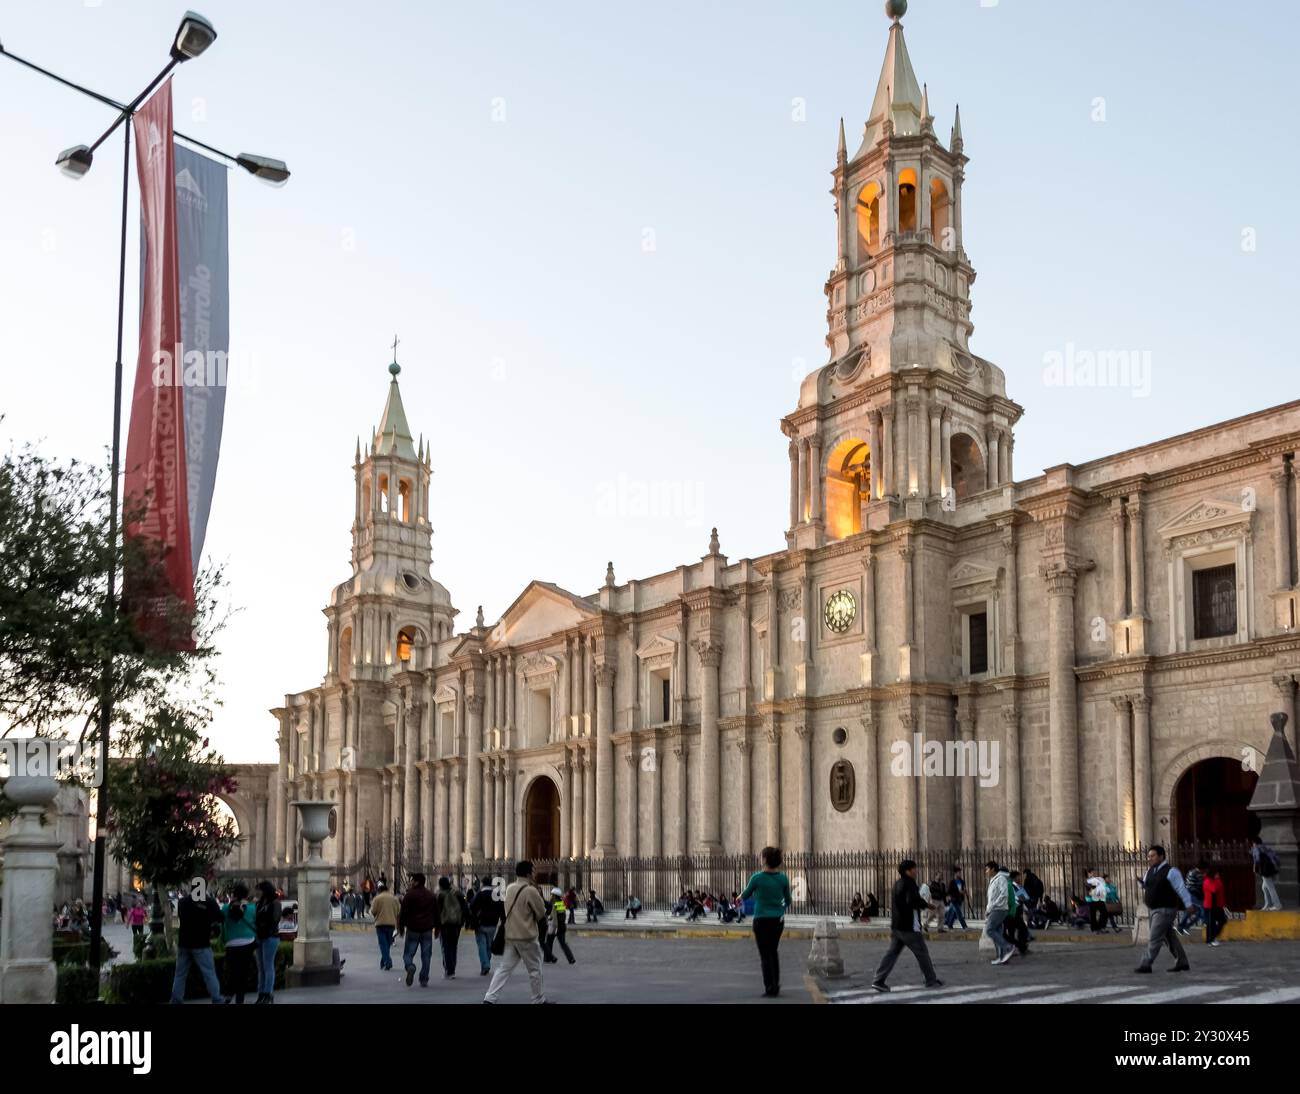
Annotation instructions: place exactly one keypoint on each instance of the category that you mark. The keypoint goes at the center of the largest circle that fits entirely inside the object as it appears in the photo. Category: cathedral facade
(1105, 635)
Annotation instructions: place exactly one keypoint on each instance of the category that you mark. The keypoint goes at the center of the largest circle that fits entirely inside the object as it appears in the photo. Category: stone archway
(541, 816)
(1165, 802)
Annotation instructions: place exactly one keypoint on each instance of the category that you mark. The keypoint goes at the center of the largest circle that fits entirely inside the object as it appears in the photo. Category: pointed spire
(842, 153)
(927, 120)
(357, 458)
(896, 107)
(955, 144)
(393, 437)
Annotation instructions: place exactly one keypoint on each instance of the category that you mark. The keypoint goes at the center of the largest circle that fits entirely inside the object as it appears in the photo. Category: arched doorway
(1209, 807)
(542, 820)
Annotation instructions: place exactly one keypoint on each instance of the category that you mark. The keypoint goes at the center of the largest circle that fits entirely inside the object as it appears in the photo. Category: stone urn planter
(313, 951)
(31, 865)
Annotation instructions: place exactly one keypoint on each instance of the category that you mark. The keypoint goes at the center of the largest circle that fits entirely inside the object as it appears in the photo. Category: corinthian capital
(710, 652)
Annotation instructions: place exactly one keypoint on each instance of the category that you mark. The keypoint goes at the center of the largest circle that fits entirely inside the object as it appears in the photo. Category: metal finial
(394, 368)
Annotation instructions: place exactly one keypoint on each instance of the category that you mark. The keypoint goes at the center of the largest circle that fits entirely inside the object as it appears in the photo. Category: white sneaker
(1213, 943)
(1006, 957)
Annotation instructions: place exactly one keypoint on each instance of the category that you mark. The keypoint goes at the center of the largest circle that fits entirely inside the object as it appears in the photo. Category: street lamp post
(193, 37)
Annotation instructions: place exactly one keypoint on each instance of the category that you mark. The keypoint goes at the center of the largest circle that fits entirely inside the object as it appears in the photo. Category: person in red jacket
(1216, 914)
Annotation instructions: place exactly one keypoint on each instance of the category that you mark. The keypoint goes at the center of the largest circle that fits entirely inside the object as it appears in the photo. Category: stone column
(656, 845)
(1144, 822)
(818, 477)
(877, 456)
(31, 867)
(1063, 734)
(907, 720)
(966, 732)
(870, 777)
(887, 460)
(936, 449)
(604, 683)
(426, 813)
(566, 807)
(804, 496)
(1137, 557)
(1281, 524)
(589, 687)
(512, 816)
(923, 446)
(489, 804)
(1123, 772)
(912, 474)
(945, 453)
(1010, 656)
(474, 781)
(456, 850)
(501, 835)
(411, 784)
(794, 484)
(869, 616)
(633, 760)
(772, 731)
(1011, 767)
(588, 802)
(746, 651)
(510, 701)
(1119, 575)
(490, 695)
(578, 847)
(279, 803)
(442, 807)
(745, 801)
(773, 637)
(682, 751)
(803, 765)
(386, 782)
(710, 787)
(993, 440)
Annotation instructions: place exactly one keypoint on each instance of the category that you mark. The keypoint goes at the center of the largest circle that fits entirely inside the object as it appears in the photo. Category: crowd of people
(694, 904)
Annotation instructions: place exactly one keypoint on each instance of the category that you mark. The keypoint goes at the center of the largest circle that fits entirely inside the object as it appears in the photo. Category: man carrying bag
(516, 937)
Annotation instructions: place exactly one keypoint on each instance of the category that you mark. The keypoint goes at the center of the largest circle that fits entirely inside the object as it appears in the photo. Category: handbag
(499, 939)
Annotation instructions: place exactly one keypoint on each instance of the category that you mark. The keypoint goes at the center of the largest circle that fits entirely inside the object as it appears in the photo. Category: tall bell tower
(903, 420)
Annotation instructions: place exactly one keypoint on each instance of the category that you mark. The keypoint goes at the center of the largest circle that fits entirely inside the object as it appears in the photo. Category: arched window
(848, 487)
(406, 643)
(868, 211)
(365, 498)
(383, 493)
(941, 216)
(404, 500)
(345, 655)
(907, 200)
(968, 476)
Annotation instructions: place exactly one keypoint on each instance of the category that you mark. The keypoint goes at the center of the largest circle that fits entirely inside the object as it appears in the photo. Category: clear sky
(484, 180)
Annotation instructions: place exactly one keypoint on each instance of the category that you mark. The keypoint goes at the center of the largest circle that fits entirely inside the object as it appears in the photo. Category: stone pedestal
(1277, 804)
(314, 961)
(824, 958)
(1142, 925)
(31, 866)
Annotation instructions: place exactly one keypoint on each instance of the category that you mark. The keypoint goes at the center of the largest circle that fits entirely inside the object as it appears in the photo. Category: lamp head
(275, 172)
(194, 35)
(75, 162)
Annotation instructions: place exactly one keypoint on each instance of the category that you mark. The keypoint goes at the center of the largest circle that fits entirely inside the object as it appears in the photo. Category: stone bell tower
(903, 420)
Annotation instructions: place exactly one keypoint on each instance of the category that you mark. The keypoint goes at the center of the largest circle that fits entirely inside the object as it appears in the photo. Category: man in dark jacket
(485, 913)
(199, 916)
(905, 929)
(416, 922)
(1033, 886)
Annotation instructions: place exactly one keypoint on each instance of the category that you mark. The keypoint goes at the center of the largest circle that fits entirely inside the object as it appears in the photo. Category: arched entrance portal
(1209, 808)
(542, 820)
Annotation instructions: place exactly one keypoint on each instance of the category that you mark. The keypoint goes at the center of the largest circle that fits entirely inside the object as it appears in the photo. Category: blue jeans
(385, 936)
(954, 913)
(424, 941)
(483, 936)
(993, 928)
(1194, 915)
(264, 952)
(202, 960)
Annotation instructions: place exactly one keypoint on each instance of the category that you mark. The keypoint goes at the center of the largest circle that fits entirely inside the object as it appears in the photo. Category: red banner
(160, 593)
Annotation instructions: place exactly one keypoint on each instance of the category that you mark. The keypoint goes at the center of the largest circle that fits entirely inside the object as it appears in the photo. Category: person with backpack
(485, 912)
(453, 912)
(1266, 865)
(1165, 895)
(1194, 881)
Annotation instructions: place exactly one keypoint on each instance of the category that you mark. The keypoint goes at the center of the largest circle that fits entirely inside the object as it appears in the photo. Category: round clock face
(841, 610)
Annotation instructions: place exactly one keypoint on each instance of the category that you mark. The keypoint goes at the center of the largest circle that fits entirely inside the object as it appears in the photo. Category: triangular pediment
(1208, 513)
(540, 611)
(445, 694)
(660, 645)
(971, 572)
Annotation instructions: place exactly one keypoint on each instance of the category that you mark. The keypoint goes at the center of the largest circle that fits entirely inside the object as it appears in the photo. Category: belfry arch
(848, 486)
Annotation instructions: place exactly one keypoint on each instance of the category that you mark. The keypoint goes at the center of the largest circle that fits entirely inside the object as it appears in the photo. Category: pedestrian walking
(266, 922)
(1016, 929)
(485, 913)
(905, 930)
(524, 910)
(385, 910)
(1214, 893)
(1194, 881)
(571, 902)
(956, 910)
(555, 932)
(770, 889)
(1165, 896)
(1266, 866)
(998, 905)
(453, 911)
(928, 916)
(239, 932)
(198, 920)
(415, 923)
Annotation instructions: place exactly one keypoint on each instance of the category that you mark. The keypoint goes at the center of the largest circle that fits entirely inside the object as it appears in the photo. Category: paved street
(616, 968)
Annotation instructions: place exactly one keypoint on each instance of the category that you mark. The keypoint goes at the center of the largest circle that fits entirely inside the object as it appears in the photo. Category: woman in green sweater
(239, 929)
(770, 890)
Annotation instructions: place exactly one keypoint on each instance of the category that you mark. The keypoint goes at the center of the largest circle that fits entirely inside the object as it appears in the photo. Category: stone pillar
(512, 816)
(870, 777)
(511, 702)
(907, 720)
(682, 751)
(1119, 574)
(1144, 822)
(804, 497)
(386, 781)
(474, 781)
(1063, 734)
(773, 637)
(1011, 767)
(913, 473)
(588, 802)
(745, 801)
(279, 803)
(804, 766)
(993, 442)
(633, 761)
(489, 804)
(966, 732)
(456, 826)
(794, 484)
(818, 473)
(1137, 558)
(869, 617)
(354, 819)
(1126, 828)
(746, 651)
(313, 949)
(656, 818)
(887, 452)
(604, 684)
(578, 848)
(877, 456)
(936, 447)
(1281, 524)
(490, 695)
(442, 808)
(589, 685)
(1010, 652)
(31, 867)
(945, 454)
(411, 784)
(501, 834)
(710, 785)
(426, 813)
(772, 731)
(566, 807)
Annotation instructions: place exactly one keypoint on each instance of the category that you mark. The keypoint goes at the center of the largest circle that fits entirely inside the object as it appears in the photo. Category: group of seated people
(695, 904)
(861, 910)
